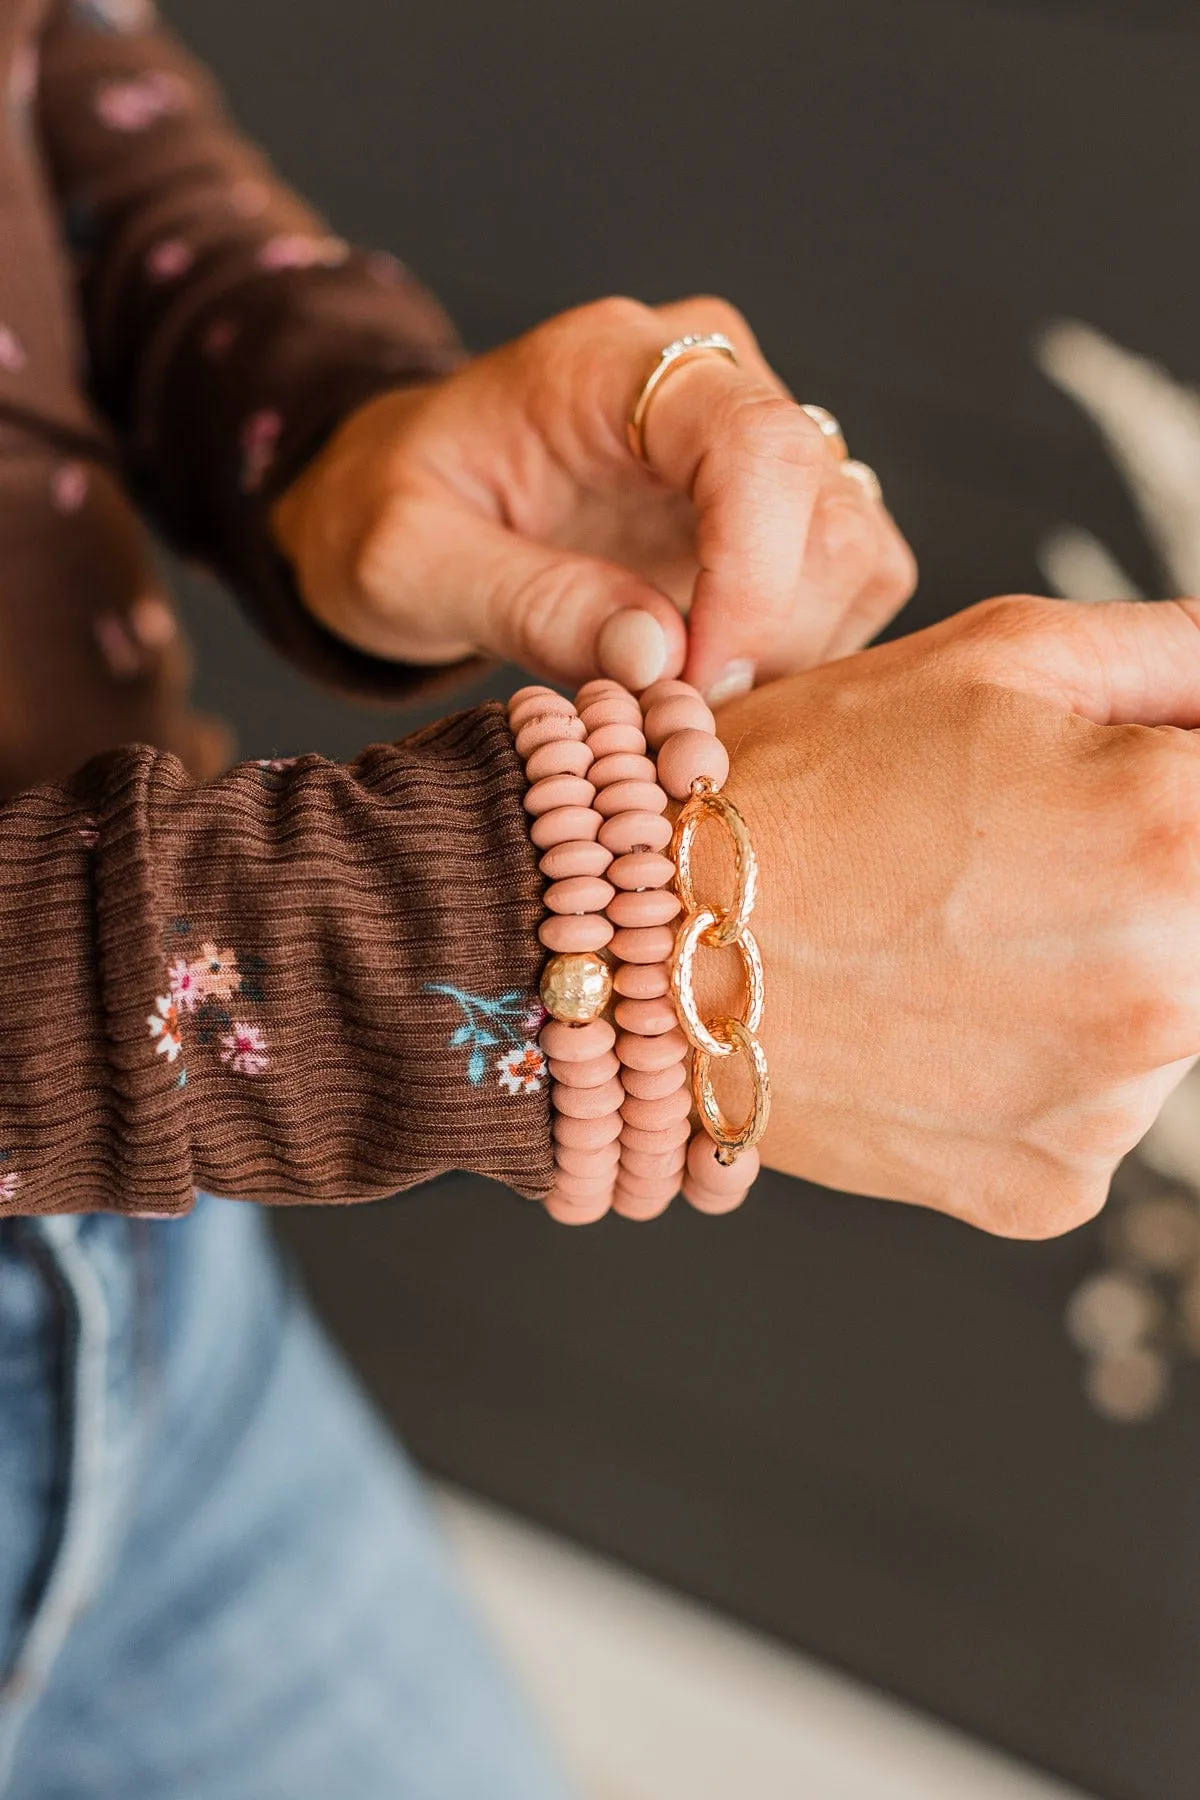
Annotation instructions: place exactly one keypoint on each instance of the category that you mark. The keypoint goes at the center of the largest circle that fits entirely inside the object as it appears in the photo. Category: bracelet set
(630, 1056)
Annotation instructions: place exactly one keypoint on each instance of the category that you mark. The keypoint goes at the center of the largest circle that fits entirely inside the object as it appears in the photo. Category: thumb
(560, 615)
(1116, 662)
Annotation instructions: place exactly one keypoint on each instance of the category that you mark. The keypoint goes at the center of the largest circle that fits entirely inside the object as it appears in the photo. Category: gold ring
(672, 356)
(865, 476)
(706, 802)
(692, 933)
(829, 429)
(731, 1140)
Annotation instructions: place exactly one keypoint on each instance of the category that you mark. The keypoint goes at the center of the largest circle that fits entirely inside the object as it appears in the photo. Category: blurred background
(825, 1434)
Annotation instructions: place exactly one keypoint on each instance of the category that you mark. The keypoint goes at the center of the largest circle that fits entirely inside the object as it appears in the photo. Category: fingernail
(736, 678)
(632, 648)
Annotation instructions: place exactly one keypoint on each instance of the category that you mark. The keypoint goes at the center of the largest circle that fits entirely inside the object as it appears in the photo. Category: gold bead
(576, 986)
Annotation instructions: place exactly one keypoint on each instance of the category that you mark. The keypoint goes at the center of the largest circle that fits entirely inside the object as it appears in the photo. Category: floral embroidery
(259, 442)
(69, 486)
(201, 989)
(13, 356)
(489, 1024)
(164, 1025)
(8, 1186)
(168, 260)
(522, 1071)
(89, 832)
(293, 250)
(244, 1049)
(271, 770)
(134, 105)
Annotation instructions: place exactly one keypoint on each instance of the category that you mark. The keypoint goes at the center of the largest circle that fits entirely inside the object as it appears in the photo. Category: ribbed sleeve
(301, 982)
(228, 331)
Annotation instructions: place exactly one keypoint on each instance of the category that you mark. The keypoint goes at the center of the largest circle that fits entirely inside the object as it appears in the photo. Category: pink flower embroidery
(218, 337)
(244, 1049)
(168, 260)
(13, 356)
(134, 105)
(184, 985)
(8, 1186)
(69, 486)
(522, 1070)
(293, 250)
(117, 646)
(216, 973)
(259, 442)
(89, 832)
(534, 1019)
(164, 1025)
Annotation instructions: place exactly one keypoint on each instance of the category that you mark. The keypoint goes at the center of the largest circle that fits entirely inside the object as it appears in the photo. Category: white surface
(653, 1698)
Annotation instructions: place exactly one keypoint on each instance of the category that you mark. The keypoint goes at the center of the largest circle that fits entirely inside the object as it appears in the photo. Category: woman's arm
(228, 331)
(299, 982)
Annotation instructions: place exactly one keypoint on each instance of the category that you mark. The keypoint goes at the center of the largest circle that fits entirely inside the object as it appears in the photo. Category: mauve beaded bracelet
(622, 1102)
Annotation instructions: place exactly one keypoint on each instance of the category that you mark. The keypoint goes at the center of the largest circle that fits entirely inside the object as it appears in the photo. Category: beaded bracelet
(622, 1102)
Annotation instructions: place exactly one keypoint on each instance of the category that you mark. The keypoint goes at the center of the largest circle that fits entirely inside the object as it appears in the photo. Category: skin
(499, 510)
(980, 920)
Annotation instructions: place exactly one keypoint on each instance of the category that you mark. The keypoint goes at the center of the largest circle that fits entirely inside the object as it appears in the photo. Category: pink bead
(563, 862)
(686, 756)
(593, 1073)
(611, 709)
(663, 1138)
(637, 1052)
(621, 767)
(594, 1163)
(558, 790)
(631, 797)
(642, 981)
(717, 1178)
(650, 1084)
(648, 906)
(578, 894)
(658, 1165)
(644, 944)
(576, 1043)
(642, 869)
(564, 824)
(653, 1115)
(666, 690)
(617, 740)
(644, 1186)
(539, 706)
(599, 689)
(583, 1187)
(706, 1201)
(586, 1134)
(641, 1208)
(535, 691)
(634, 831)
(572, 932)
(566, 757)
(649, 1018)
(588, 1102)
(680, 713)
(550, 729)
(564, 1212)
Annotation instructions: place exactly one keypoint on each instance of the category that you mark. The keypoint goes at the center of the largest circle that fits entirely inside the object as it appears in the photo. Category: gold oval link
(691, 934)
(706, 802)
(731, 1140)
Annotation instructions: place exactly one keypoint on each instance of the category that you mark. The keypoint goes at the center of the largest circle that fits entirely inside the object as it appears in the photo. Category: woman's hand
(980, 905)
(501, 510)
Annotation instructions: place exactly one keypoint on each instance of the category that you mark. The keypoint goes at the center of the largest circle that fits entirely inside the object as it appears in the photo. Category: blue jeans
(218, 1579)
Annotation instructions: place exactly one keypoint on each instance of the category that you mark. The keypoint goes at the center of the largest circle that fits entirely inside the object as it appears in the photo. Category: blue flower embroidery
(509, 1023)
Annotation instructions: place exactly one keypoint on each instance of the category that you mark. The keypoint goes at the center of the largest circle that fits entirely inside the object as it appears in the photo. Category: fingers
(1118, 662)
(548, 610)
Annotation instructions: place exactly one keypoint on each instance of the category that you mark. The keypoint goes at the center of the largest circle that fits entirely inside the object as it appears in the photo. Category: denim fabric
(218, 1579)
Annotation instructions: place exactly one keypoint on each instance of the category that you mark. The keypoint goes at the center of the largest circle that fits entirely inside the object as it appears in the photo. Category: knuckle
(764, 427)
(377, 562)
(616, 315)
(718, 314)
(528, 607)
(1046, 1198)
(849, 539)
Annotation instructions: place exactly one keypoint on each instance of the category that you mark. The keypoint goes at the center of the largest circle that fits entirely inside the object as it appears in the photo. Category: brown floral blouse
(292, 980)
